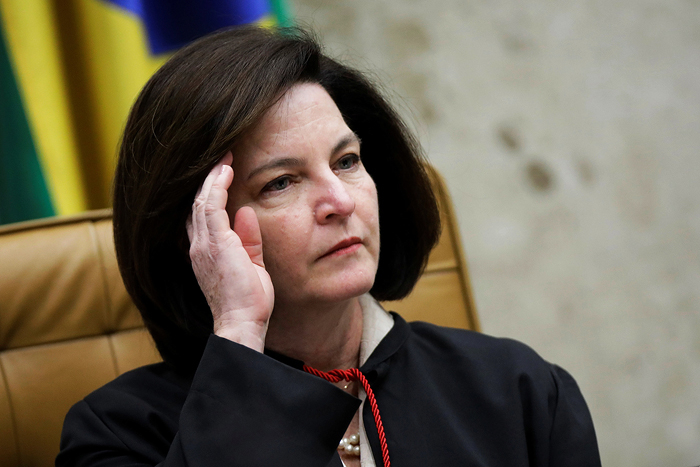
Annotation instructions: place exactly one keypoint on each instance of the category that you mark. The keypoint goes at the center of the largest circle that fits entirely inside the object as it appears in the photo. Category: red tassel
(354, 374)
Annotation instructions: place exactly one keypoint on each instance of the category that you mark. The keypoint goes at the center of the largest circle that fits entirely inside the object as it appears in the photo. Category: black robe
(447, 397)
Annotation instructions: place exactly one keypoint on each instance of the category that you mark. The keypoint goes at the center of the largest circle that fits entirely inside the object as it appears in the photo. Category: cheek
(284, 236)
(369, 206)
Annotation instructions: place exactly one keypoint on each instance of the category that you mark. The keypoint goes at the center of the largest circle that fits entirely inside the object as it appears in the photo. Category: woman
(300, 174)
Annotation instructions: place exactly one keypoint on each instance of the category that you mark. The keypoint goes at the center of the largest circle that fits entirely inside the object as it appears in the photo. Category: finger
(203, 192)
(227, 159)
(214, 173)
(197, 217)
(198, 207)
(216, 216)
(246, 225)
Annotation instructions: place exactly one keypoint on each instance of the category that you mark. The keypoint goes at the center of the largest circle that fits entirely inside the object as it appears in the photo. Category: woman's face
(300, 170)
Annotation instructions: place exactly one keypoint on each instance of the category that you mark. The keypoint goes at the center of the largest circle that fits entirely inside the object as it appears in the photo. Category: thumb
(246, 226)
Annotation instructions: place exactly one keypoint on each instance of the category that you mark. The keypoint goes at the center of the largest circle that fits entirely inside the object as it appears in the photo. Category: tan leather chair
(67, 326)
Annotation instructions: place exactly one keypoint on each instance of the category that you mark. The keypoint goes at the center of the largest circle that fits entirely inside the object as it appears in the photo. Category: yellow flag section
(80, 65)
(115, 64)
(33, 44)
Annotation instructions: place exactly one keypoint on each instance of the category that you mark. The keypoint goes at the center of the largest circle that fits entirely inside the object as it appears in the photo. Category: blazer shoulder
(504, 354)
(151, 387)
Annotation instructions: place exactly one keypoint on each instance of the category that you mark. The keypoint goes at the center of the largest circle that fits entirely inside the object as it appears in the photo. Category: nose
(334, 201)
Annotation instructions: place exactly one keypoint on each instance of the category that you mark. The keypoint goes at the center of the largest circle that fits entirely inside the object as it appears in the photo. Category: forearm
(243, 408)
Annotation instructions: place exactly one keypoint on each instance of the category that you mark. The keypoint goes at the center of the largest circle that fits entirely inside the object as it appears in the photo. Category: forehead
(305, 115)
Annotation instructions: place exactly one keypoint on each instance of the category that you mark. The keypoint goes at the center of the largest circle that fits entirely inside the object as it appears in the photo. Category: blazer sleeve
(572, 436)
(242, 409)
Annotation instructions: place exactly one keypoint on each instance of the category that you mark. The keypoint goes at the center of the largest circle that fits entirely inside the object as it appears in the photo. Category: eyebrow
(277, 163)
(344, 141)
(297, 162)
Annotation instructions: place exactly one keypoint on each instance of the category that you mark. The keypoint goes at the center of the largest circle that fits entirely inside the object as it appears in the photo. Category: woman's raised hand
(228, 263)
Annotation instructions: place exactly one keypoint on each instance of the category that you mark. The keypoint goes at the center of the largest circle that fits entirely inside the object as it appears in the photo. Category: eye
(277, 184)
(348, 162)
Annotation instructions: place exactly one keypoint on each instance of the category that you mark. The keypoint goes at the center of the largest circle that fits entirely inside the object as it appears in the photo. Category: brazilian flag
(69, 72)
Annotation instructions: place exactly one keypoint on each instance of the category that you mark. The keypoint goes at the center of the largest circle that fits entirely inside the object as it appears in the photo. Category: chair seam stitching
(13, 416)
(108, 312)
(113, 353)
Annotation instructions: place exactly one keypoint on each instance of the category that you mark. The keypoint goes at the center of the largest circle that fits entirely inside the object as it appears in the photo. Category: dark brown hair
(190, 113)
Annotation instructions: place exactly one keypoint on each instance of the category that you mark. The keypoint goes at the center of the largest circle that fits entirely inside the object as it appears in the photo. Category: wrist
(249, 334)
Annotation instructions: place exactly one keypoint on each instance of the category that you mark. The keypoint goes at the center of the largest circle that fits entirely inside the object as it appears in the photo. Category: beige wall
(568, 133)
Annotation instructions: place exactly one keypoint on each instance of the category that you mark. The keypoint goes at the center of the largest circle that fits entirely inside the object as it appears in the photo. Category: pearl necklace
(350, 445)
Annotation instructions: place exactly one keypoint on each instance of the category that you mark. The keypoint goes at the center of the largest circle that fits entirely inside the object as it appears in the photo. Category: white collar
(376, 324)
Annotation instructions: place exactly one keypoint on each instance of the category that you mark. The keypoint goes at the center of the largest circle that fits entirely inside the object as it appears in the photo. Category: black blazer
(447, 397)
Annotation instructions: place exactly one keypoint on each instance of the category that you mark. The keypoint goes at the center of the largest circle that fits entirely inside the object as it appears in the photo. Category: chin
(348, 292)
(353, 282)
(332, 289)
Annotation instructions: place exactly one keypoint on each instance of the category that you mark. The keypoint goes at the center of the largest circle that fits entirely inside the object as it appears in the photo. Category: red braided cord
(354, 374)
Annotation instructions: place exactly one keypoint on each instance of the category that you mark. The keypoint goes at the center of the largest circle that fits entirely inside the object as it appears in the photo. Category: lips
(349, 245)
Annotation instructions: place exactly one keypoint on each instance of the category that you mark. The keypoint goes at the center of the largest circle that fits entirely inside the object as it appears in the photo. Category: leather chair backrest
(67, 325)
